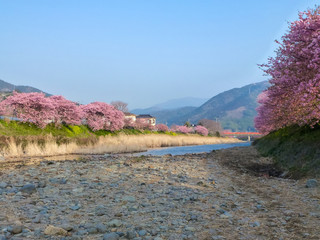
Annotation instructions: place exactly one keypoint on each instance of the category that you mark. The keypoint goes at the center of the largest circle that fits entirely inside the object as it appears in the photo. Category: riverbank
(19, 139)
(294, 149)
(196, 196)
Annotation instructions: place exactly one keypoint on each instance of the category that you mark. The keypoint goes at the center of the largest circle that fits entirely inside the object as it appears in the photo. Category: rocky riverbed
(227, 194)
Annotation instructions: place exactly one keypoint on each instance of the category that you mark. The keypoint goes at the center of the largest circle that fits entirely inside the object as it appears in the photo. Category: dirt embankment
(222, 195)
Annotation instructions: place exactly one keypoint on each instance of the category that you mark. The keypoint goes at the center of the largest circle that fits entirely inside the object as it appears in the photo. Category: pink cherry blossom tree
(294, 94)
(29, 107)
(66, 111)
(201, 130)
(162, 127)
(184, 129)
(100, 115)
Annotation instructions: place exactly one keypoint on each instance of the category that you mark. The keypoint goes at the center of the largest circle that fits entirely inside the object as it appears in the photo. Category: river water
(191, 149)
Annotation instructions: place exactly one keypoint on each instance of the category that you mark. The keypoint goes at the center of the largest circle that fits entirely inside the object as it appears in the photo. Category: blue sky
(140, 52)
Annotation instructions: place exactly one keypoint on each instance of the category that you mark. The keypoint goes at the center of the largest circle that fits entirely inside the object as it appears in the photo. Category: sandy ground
(227, 194)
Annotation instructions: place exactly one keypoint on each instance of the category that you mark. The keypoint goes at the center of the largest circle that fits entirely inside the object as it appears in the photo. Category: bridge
(242, 135)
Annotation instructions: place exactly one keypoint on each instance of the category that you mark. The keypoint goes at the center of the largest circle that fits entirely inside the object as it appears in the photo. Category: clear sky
(139, 52)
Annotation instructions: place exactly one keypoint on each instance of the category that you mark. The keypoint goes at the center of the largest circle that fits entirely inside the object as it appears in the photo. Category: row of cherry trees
(185, 129)
(294, 95)
(41, 110)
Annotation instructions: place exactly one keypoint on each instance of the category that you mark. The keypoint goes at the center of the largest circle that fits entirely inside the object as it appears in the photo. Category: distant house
(130, 116)
(148, 119)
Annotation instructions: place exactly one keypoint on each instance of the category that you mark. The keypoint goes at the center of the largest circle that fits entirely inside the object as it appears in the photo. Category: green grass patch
(294, 149)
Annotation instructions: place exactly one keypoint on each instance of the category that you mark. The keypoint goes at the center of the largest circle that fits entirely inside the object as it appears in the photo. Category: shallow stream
(191, 149)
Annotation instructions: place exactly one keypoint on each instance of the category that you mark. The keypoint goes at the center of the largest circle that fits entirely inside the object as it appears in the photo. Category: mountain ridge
(234, 108)
(6, 87)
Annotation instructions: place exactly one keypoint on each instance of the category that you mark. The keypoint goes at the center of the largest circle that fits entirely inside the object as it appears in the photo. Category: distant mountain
(172, 116)
(172, 104)
(235, 109)
(6, 87)
(181, 102)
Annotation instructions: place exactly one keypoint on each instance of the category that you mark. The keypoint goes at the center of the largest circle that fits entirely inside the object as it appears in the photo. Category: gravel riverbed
(226, 194)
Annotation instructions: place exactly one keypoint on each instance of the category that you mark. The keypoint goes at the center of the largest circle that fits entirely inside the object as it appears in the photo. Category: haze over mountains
(172, 104)
(235, 109)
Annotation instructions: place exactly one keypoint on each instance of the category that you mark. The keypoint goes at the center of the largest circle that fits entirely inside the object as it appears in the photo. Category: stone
(115, 223)
(75, 207)
(42, 184)
(131, 235)
(129, 199)
(255, 224)
(111, 236)
(53, 231)
(101, 228)
(311, 183)
(37, 219)
(3, 185)
(92, 230)
(142, 233)
(67, 227)
(16, 229)
(191, 229)
(101, 210)
(28, 188)
(58, 180)
(226, 215)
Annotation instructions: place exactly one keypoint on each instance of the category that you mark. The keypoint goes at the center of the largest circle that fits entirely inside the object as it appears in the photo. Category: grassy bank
(294, 149)
(20, 139)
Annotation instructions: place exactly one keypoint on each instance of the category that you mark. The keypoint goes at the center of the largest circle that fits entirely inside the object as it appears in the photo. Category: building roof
(145, 116)
(129, 114)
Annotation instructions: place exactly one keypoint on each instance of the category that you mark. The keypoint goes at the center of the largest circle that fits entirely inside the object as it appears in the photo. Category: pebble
(114, 223)
(101, 210)
(131, 234)
(311, 183)
(142, 233)
(129, 199)
(101, 228)
(28, 188)
(16, 229)
(111, 236)
(52, 230)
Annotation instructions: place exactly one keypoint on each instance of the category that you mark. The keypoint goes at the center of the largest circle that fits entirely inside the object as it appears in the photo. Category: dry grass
(107, 144)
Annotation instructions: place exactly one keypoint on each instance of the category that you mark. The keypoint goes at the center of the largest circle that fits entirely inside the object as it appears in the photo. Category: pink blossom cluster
(162, 128)
(181, 129)
(294, 94)
(201, 130)
(41, 110)
(99, 115)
